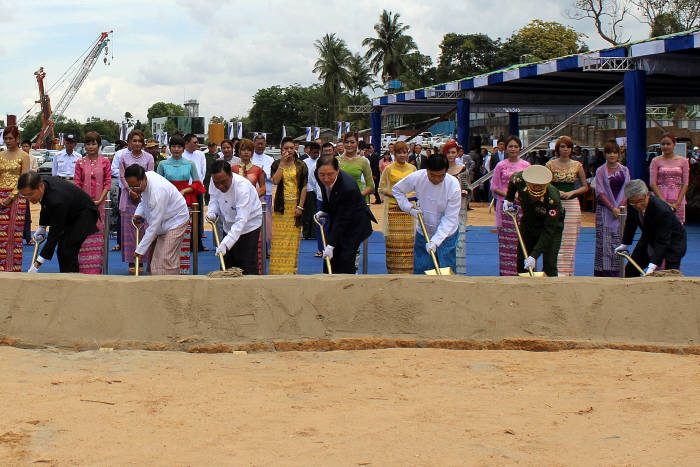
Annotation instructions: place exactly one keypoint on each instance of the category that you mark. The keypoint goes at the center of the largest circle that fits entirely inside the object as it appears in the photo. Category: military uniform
(541, 225)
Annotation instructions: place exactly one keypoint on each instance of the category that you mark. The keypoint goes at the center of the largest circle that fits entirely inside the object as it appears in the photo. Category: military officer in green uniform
(542, 222)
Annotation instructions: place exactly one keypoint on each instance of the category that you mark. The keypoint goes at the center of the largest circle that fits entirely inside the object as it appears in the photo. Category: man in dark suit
(663, 236)
(68, 210)
(349, 217)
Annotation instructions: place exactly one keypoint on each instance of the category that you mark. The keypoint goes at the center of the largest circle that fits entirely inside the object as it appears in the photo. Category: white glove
(221, 249)
(40, 259)
(622, 247)
(430, 247)
(319, 215)
(328, 252)
(507, 206)
(211, 215)
(650, 269)
(33, 269)
(40, 234)
(530, 263)
(414, 212)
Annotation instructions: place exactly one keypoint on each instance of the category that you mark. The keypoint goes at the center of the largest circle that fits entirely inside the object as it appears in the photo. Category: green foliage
(216, 119)
(294, 106)
(332, 70)
(31, 126)
(548, 39)
(466, 55)
(107, 129)
(360, 75)
(664, 24)
(387, 52)
(419, 71)
(162, 109)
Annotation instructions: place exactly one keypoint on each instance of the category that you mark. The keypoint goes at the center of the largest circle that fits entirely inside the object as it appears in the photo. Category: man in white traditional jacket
(164, 208)
(235, 201)
(439, 198)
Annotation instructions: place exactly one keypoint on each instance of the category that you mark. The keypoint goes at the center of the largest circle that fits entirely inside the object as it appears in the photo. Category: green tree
(543, 40)
(664, 24)
(466, 55)
(386, 52)
(107, 129)
(419, 71)
(360, 75)
(31, 126)
(162, 109)
(69, 126)
(331, 67)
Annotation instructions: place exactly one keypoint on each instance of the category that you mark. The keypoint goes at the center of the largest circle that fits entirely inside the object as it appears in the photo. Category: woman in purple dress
(610, 180)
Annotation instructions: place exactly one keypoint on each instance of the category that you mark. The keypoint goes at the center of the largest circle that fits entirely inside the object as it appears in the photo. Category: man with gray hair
(663, 236)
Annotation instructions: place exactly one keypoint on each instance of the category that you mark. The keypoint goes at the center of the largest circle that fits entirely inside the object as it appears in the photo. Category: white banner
(308, 133)
(264, 136)
(230, 130)
(317, 132)
(340, 129)
(165, 139)
(60, 139)
(370, 139)
(2, 136)
(347, 127)
(240, 130)
(284, 131)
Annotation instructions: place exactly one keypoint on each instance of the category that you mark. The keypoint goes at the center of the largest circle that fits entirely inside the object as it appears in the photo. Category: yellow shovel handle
(514, 216)
(323, 239)
(216, 239)
(138, 239)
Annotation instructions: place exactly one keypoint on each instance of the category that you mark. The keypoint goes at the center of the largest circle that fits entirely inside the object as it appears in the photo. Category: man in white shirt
(439, 200)
(193, 154)
(235, 201)
(313, 195)
(264, 161)
(115, 192)
(64, 162)
(164, 208)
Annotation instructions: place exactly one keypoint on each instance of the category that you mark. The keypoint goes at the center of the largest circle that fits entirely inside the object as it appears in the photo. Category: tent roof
(560, 85)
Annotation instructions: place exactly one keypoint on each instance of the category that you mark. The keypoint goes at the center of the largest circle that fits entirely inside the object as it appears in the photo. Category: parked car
(108, 151)
(45, 169)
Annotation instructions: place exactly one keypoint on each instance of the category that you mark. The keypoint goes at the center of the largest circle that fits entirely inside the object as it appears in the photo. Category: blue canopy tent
(657, 71)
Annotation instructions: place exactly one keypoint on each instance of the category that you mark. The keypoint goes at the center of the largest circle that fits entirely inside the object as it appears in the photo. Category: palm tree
(331, 67)
(360, 75)
(386, 51)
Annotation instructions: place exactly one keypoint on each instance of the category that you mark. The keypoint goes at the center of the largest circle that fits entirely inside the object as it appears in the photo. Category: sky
(221, 52)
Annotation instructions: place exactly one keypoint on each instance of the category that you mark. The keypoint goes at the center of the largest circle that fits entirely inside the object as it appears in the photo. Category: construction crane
(46, 139)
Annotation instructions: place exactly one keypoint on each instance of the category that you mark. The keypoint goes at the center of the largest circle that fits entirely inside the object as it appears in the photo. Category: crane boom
(49, 118)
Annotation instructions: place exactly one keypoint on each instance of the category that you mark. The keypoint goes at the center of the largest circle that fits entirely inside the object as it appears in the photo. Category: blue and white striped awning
(562, 73)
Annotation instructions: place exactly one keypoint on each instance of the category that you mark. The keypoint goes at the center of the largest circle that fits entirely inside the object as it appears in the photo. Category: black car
(45, 169)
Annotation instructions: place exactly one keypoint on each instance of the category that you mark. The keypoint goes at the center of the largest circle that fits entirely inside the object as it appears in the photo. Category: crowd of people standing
(331, 183)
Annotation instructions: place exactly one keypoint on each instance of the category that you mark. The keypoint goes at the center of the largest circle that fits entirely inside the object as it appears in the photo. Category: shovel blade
(443, 272)
(534, 274)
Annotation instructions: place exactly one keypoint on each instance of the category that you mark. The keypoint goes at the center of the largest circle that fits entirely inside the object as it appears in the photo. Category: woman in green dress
(355, 165)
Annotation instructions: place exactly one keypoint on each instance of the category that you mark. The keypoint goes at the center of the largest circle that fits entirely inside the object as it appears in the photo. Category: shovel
(438, 271)
(323, 239)
(36, 251)
(216, 239)
(626, 254)
(137, 259)
(530, 272)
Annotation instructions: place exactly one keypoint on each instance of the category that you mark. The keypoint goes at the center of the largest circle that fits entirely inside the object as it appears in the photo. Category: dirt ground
(385, 407)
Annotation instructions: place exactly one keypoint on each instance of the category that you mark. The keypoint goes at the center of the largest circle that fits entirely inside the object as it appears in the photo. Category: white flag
(165, 138)
(240, 129)
(264, 136)
(370, 139)
(308, 133)
(2, 136)
(284, 131)
(317, 132)
(230, 130)
(129, 130)
(347, 127)
(60, 139)
(340, 129)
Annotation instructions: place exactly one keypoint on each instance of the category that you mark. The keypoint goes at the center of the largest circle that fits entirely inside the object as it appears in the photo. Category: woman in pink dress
(93, 174)
(507, 236)
(669, 176)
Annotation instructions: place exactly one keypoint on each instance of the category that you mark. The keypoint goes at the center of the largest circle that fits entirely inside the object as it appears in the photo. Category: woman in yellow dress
(291, 177)
(399, 227)
(13, 163)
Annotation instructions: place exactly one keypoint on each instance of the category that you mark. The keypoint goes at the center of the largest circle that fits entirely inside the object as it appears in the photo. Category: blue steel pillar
(636, 117)
(513, 123)
(376, 122)
(463, 123)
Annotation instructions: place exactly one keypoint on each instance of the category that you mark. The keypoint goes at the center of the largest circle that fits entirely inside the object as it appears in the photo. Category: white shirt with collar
(440, 203)
(163, 207)
(264, 162)
(64, 164)
(239, 208)
(199, 160)
(116, 159)
(312, 185)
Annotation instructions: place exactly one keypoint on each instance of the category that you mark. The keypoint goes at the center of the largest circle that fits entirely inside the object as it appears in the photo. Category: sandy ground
(385, 407)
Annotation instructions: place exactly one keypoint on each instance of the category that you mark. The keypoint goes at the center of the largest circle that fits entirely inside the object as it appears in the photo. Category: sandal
(116, 247)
